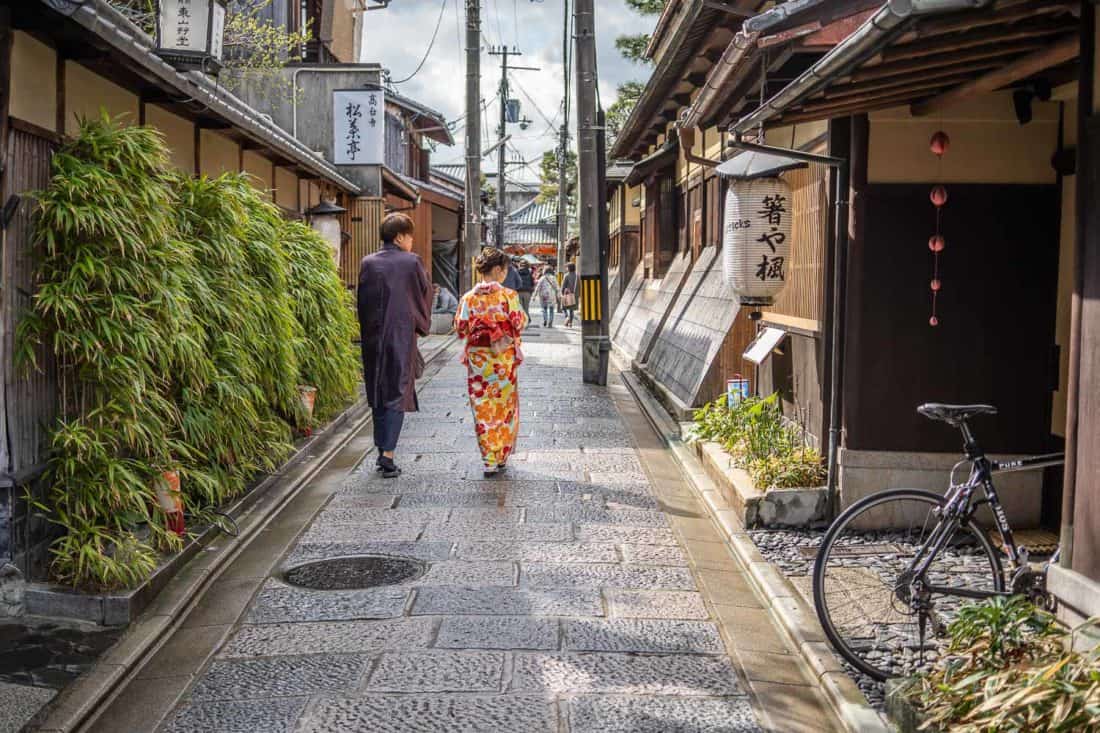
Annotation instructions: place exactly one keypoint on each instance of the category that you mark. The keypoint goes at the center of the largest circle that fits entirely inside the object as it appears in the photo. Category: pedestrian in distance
(526, 287)
(394, 307)
(546, 295)
(444, 300)
(491, 321)
(569, 294)
(511, 280)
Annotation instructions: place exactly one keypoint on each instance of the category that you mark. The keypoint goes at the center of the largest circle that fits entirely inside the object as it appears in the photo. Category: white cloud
(398, 36)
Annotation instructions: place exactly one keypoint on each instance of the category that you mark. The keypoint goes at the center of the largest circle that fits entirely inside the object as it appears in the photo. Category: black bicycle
(894, 567)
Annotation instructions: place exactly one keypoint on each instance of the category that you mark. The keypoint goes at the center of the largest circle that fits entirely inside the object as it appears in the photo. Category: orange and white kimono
(491, 320)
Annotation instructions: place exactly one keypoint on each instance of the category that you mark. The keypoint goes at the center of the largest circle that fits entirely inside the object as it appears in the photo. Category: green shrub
(754, 432)
(325, 310)
(183, 314)
(1008, 668)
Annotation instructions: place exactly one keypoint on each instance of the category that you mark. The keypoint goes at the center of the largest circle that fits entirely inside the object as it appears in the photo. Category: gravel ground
(781, 547)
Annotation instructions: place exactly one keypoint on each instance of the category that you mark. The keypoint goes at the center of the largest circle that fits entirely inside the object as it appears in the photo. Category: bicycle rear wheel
(860, 588)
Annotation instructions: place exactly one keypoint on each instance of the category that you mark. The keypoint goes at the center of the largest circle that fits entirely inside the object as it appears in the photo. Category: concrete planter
(802, 507)
(122, 607)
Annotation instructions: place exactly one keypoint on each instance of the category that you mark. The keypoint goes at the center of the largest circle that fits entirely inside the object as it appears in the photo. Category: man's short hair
(394, 225)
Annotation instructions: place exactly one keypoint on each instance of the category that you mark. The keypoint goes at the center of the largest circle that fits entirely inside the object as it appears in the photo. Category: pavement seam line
(842, 695)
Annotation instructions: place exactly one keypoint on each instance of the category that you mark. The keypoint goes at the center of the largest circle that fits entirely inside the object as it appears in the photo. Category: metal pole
(473, 139)
(563, 143)
(594, 364)
(503, 148)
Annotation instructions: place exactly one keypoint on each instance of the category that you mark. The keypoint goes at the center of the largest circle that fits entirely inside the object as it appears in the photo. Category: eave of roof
(395, 183)
(135, 47)
(437, 130)
(695, 23)
(662, 156)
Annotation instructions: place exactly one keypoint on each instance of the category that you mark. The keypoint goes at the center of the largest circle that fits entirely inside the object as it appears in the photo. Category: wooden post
(5, 295)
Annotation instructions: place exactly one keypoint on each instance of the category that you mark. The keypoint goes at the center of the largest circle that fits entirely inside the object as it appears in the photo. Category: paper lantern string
(939, 145)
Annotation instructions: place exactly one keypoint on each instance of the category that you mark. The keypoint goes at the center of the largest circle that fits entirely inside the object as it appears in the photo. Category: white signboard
(183, 24)
(359, 127)
(761, 346)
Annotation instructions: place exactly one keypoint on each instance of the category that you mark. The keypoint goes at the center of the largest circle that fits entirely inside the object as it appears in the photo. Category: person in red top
(491, 320)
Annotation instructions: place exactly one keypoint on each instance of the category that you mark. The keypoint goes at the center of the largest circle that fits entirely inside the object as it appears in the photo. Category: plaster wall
(179, 134)
(88, 93)
(259, 170)
(988, 144)
(33, 81)
(217, 154)
(286, 189)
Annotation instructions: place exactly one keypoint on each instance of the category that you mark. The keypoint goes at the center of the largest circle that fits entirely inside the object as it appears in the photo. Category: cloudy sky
(398, 37)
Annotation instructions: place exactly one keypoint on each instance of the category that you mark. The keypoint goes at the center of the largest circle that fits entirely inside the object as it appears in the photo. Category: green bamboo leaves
(183, 314)
(1009, 668)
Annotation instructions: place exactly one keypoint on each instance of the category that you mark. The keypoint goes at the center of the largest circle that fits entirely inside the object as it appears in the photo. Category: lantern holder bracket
(840, 264)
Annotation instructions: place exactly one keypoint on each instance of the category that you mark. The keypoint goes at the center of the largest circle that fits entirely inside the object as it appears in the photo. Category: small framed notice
(761, 346)
(359, 126)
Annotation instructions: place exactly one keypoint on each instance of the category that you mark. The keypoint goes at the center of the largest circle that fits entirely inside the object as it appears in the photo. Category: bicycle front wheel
(862, 592)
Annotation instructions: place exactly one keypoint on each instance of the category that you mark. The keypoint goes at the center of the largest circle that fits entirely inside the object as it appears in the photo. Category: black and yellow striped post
(591, 299)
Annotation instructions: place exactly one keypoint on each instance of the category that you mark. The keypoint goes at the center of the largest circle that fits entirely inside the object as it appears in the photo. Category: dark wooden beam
(948, 44)
(849, 93)
(1064, 50)
(983, 18)
(873, 85)
(997, 50)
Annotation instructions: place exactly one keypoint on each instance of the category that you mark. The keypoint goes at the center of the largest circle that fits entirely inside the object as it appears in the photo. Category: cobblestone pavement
(566, 595)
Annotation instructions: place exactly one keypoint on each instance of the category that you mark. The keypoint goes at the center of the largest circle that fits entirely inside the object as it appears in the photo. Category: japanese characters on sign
(359, 121)
(183, 25)
(757, 239)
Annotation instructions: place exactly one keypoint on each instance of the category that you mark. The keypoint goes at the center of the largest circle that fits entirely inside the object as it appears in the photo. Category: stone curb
(77, 705)
(795, 617)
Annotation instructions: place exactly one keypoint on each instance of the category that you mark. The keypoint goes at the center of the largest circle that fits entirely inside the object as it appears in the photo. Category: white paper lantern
(756, 246)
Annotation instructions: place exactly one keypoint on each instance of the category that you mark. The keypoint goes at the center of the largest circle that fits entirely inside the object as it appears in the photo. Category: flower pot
(308, 396)
(167, 488)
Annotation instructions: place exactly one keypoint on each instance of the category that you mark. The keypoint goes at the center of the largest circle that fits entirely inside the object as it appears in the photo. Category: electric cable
(431, 43)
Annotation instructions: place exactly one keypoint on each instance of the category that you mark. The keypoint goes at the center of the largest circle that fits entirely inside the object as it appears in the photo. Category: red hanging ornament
(936, 285)
(938, 196)
(939, 143)
(936, 243)
(933, 321)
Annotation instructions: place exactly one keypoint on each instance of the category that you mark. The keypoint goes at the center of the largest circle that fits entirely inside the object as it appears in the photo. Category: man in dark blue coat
(395, 306)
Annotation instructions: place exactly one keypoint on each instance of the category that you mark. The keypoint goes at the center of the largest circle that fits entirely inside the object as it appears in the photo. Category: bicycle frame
(959, 508)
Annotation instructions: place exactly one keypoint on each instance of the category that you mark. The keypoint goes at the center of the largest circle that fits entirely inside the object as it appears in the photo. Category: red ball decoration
(938, 196)
(939, 143)
(936, 243)
(933, 321)
(936, 285)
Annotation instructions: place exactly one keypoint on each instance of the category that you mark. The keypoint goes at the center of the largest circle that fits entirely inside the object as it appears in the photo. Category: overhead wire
(431, 44)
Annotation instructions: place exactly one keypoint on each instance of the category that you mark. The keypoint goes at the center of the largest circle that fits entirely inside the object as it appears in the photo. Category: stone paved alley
(583, 591)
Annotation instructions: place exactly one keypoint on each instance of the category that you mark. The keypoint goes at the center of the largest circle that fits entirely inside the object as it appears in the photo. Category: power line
(431, 43)
(533, 103)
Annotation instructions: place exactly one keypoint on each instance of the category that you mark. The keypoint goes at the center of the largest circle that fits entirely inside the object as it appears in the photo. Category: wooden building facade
(1011, 83)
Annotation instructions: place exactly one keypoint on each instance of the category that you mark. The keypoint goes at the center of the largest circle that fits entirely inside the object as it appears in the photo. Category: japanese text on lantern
(358, 126)
(773, 207)
(183, 23)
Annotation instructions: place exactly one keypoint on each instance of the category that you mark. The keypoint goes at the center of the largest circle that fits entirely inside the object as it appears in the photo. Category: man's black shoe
(388, 467)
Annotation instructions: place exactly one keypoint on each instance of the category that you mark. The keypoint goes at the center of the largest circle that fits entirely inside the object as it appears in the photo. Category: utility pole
(563, 144)
(503, 52)
(593, 281)
(473, 138)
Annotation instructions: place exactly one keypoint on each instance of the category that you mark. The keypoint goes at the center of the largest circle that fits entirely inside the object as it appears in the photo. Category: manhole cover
(347, 573)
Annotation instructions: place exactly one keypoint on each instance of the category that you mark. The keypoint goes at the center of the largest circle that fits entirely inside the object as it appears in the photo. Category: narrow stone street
(583, 590)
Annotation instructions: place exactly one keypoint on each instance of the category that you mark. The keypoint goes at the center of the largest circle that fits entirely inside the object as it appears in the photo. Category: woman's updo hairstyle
(490, 259)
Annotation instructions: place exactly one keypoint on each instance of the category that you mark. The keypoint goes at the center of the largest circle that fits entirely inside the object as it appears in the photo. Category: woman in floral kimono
(491, 320)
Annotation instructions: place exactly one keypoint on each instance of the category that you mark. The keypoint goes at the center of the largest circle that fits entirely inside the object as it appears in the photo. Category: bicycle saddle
(954, 414)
